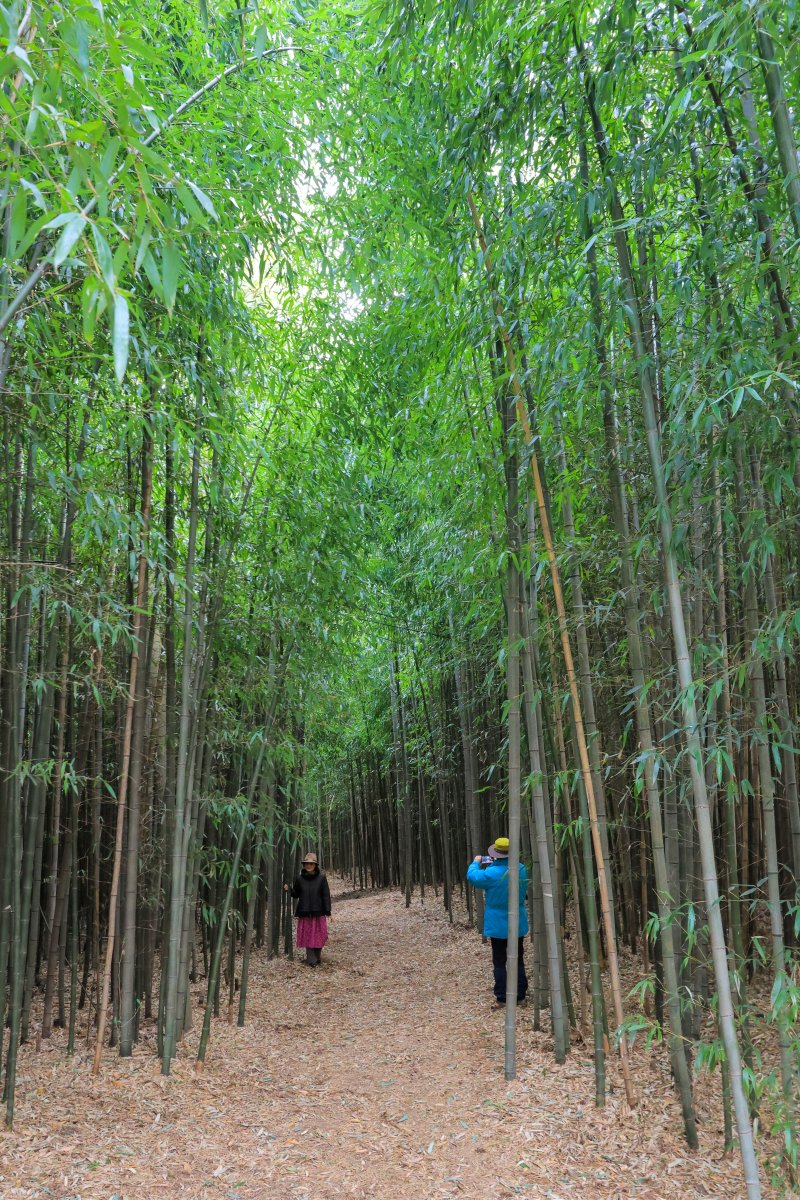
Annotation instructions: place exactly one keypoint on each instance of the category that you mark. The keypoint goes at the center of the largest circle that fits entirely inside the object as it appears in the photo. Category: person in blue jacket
(492, 879)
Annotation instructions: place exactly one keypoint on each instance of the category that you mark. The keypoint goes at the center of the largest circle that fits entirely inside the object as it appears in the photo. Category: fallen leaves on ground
(378, 1076)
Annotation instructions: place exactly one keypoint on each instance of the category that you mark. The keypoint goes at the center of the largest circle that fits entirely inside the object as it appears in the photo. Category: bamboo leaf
(74, 226)
(121, 336)
(105, 259)
(203, 199)
(170, 272)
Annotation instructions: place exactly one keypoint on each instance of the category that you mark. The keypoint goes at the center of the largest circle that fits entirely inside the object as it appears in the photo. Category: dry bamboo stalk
(583, 752)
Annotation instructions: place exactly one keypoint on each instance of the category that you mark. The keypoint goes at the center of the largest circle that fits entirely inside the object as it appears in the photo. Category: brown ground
(378, 1075)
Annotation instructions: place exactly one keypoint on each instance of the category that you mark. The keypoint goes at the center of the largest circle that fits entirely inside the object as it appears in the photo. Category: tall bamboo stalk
(690, 722)
(514, 697)
(566, 648)
(178, 861)
(127, 737)
(636, 658)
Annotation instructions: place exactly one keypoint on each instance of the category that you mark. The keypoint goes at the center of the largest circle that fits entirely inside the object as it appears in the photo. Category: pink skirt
(312, 933)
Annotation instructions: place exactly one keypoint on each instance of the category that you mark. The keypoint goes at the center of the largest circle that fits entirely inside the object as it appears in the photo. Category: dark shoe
(498, 1005)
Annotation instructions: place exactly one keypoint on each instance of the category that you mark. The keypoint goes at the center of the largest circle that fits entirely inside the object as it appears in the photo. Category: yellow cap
(501, 845)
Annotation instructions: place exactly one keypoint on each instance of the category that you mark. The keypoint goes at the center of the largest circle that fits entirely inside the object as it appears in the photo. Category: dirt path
(378, 1075)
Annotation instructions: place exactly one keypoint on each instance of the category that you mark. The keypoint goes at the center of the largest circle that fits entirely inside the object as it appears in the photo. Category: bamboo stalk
(122, 798)
(566, 648)
(690, 721)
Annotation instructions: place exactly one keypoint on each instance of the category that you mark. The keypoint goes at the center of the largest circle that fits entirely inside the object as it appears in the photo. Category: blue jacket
(493, 881)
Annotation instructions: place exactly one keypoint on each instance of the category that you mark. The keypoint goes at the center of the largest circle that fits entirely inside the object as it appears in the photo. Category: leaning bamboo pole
(566, 648)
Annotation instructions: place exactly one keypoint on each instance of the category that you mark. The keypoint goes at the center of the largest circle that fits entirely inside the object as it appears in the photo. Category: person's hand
(477, 858)
(286, 887)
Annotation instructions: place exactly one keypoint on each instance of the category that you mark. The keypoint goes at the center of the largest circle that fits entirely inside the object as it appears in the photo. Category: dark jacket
(312, 894)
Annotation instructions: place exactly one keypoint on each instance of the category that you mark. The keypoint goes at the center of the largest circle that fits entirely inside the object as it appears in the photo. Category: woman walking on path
(491, 876)
(313, 910)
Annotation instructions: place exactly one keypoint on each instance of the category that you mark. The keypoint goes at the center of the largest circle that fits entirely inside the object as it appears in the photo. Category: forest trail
(379, 1075)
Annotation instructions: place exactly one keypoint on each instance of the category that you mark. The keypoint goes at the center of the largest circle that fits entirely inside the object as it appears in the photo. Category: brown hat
(310, 858)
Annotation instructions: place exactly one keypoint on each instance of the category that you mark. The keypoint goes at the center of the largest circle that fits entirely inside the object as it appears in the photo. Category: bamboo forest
(400, 454)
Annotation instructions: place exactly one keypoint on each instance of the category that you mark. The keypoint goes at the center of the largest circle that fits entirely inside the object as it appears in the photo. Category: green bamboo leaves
(238, 243)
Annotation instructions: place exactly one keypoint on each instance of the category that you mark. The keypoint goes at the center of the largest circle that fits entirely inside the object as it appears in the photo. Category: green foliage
(241, 238)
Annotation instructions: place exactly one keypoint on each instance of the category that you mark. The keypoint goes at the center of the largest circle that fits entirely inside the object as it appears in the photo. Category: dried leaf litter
(378, 1075)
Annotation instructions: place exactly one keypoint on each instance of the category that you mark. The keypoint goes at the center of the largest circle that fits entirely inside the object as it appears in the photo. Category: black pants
(313, 956)
(499, 954)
